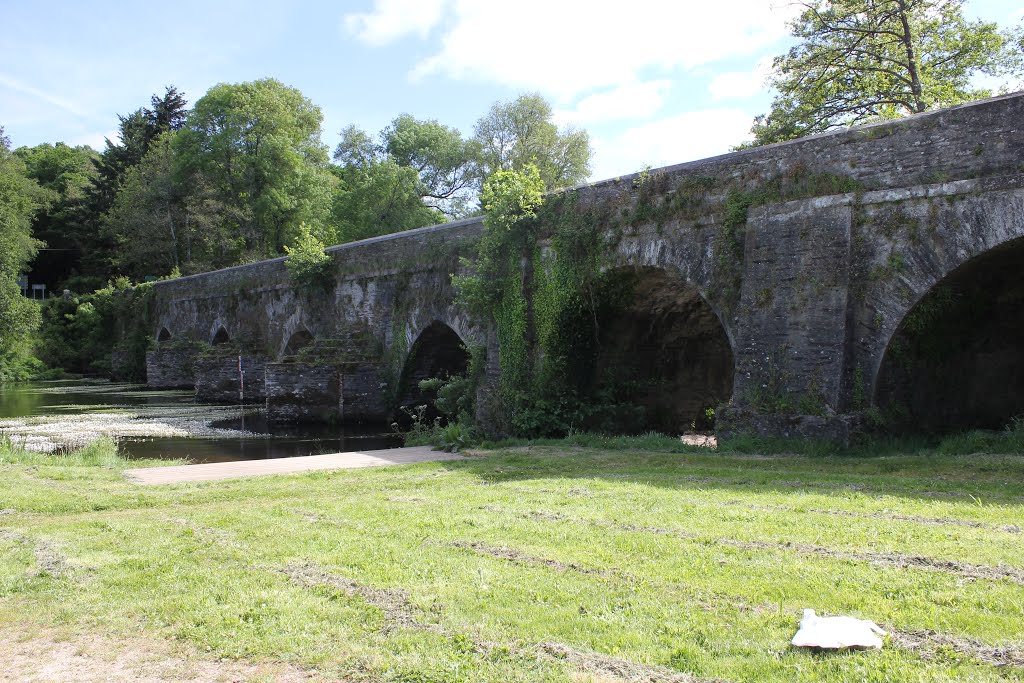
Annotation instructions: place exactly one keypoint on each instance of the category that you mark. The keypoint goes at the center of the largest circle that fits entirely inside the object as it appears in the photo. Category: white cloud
(25, 89)
(394, 19)
(629, 101)
(571, 47)
(740, 84)
(685, 137)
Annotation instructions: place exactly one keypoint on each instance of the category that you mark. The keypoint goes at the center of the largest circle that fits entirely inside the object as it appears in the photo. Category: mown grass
(540, 563)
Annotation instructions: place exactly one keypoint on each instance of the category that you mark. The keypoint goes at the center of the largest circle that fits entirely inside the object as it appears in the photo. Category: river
(147, 423)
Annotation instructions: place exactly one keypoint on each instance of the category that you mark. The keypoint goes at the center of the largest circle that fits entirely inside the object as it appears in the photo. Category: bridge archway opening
(298, 341)
(222, 337)
(660, 350)
(438, 353)
(956, 362)
(163, 335)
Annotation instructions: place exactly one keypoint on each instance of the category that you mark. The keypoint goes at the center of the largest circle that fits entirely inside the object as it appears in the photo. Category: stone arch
(163, 335)
(956, 360)
(661, 343)
(438, 352)
(953, 232)
(299, 340)
(221, 337)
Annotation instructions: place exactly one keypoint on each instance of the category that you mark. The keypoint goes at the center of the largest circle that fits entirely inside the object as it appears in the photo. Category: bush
(80, 333)
(308, 263)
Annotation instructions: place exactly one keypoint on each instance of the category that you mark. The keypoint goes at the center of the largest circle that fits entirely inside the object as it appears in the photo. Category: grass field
(541, 563)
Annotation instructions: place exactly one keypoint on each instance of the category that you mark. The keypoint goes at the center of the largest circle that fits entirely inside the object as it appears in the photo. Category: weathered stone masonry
(848, 232)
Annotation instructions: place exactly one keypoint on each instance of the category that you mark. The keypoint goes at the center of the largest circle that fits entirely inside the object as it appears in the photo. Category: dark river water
(235, 434)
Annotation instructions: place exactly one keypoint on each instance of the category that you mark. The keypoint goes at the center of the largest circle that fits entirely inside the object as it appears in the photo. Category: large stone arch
(686, 254)
(664, 342)
(969, 229)
(956, 360)
(163, 334)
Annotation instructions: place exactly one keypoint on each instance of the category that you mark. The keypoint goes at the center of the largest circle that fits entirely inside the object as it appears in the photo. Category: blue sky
(654, 81)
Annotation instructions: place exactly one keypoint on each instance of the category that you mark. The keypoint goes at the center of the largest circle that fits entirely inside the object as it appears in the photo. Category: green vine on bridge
(544, 276)
(538, 276)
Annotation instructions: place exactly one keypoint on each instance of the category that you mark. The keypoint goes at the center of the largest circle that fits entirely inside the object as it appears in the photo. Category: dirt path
(179, 474)
(43, 656)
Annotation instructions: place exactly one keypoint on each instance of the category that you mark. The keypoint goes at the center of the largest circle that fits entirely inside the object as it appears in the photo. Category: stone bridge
(797, 288)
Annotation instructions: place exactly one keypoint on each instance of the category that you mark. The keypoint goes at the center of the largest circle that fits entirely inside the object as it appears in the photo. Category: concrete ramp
(179, 474)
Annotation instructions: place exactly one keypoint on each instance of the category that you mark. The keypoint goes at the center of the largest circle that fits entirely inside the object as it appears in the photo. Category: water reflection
(167, 424)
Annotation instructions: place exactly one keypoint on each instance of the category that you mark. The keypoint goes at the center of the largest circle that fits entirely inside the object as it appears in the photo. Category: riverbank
(529, 563)
(51, 417)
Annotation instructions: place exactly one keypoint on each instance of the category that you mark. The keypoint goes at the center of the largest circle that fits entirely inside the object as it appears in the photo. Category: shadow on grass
(979, 467)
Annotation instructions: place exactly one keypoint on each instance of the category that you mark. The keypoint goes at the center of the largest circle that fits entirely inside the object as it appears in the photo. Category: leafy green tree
(19, 317)
(154, 227)
(513, 135)
(379, 198)
(417, 173)
(65, 222)
(255, 148)
(858, 60)
(446, 165)
(136, 132)
(376, 194)
(146, 219)
(308, 263)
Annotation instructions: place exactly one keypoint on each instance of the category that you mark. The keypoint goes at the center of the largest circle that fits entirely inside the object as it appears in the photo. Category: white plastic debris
(836, 633)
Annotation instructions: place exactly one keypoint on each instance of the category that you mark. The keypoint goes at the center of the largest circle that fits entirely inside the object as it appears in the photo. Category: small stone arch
(163, 335)
(438, 352)
(955, 361)
(221, 337)
(299, 340)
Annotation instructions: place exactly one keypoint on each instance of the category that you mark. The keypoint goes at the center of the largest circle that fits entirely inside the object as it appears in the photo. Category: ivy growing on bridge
(545, 275)
(539, 276)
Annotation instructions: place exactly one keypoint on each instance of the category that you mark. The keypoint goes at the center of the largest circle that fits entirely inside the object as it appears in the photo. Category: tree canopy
(447, 166)
(417, 173)
(859, 60)
(256, 147)
(236, 178)
(376, 195)
(136, 132)
(516, 134)
(19, 200)
(65, 176)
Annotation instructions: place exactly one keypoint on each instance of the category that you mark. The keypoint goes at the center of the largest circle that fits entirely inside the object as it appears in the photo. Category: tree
(417, 173)
(513, 135)
(308, 264)
(446, 165)
(65, 220)
(149, 221)
(136, 133)
(377, 195)
(859, 60)
(19, 317)
(256, 147)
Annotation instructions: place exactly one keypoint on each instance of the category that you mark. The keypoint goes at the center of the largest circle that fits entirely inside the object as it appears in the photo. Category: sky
(654, 82)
